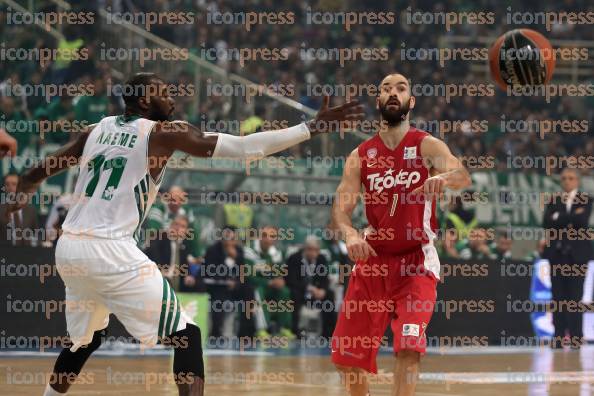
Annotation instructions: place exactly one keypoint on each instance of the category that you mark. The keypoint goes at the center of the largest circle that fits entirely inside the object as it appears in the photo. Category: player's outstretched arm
(345, 201)
(65, 157)
(447, 170)
(178, 135)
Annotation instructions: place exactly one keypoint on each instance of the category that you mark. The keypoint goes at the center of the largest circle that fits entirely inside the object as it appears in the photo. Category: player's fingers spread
(426, 187)
(325, 102)
(350, 104)
(431, 186)
(357, 108)
(371, 250)
(428, 190)
(418, 190)
(357, 252)
(345, 109)
(438, 185)
(352, 252)
(355, 116)
(439, 188)
(364, 252)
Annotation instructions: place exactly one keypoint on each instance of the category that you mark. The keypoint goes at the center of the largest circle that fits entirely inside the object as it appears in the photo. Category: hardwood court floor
(537, 373)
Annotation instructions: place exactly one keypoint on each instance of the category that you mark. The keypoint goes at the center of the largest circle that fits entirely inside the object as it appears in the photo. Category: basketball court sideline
(489, 371)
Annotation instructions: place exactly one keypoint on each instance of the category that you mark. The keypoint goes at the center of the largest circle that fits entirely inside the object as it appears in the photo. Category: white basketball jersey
(114, 190)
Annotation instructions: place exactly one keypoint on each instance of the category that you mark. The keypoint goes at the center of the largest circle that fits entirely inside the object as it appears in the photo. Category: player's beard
(158, 114)
(395, 117)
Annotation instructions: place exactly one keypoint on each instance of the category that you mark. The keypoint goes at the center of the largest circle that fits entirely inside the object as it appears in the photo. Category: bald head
(177, 197)
(395, 78)
(312, 241)
(311, 248)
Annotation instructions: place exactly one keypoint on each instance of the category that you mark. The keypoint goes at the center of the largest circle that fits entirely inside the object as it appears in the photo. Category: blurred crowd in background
(297, 286)
(300, 71)
(310, 271)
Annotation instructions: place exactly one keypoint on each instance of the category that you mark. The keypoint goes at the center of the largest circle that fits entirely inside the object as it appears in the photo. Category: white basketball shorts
(104, 276)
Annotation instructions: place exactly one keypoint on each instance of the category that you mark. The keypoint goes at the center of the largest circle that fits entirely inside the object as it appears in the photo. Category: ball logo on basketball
(521, 57)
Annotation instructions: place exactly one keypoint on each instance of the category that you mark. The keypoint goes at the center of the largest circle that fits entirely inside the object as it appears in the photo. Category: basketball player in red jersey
(403, 171)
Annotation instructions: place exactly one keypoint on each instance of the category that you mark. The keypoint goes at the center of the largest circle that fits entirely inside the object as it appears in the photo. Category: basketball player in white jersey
(122, 160)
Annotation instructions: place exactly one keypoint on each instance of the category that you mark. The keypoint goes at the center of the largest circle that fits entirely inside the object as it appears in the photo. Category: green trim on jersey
(123, 119)
(139, 209)
(141, 195)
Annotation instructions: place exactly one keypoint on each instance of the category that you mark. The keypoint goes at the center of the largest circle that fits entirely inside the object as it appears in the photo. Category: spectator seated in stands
(501, 249)
(537, 253)
(173, 254)
(92, 108)
(267, 277)
(221, 273)
(60, 111)
(21, 227)
(458, 218)
(459, 222)
(55, 218)
(475, 246)
(172, 203)
(10, 112)
(307, 278)
(340, 265)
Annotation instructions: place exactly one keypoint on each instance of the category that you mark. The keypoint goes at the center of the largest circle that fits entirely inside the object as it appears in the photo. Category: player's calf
(406, 372)
(355, 379)
(69, 364)
(188, 366)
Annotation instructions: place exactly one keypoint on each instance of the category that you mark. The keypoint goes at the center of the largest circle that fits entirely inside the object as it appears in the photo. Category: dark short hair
(228, 227)
(136, 87)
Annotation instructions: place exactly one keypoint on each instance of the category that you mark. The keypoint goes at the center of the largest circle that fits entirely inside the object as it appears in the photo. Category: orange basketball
(521, 57)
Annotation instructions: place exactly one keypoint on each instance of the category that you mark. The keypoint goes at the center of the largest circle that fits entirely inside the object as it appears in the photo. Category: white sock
(49, 391)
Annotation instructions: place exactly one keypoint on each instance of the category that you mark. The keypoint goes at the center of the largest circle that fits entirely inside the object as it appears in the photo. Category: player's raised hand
(8, 145)
(332, 119)
(358, 248)
(434, 187)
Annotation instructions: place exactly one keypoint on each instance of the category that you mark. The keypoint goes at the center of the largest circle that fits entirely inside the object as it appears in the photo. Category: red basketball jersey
(403, 221)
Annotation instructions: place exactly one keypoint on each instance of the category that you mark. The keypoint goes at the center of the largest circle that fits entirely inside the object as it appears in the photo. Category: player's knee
(95, 342)
(344, 369)
(351, 375)
(408, 354)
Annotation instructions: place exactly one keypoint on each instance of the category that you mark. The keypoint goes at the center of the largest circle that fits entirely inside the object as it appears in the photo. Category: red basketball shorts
(397, 288)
